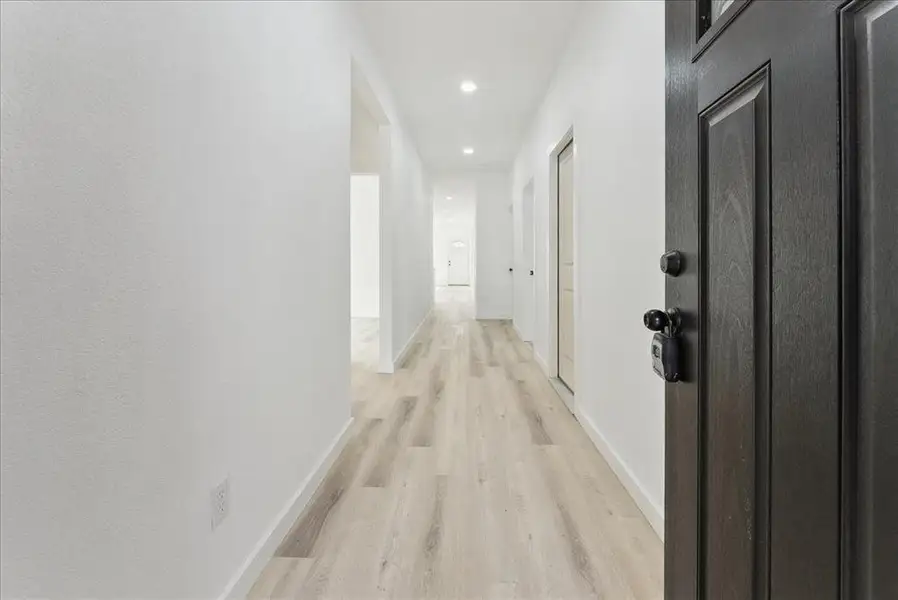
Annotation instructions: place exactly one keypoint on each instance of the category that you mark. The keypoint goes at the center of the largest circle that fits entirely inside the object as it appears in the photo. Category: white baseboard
(492, 317)
(564, 392)
(249, 572)
(518, 331)
(653, 514)
(410, 342)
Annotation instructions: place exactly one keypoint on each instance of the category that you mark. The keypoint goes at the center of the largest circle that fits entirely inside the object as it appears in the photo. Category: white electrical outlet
(220, 502)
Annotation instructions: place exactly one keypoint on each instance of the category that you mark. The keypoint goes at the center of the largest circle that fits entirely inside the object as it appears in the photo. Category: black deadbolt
(671, 263)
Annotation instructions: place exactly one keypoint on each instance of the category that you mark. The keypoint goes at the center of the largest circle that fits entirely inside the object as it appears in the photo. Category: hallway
(458, 300)
(466, 477)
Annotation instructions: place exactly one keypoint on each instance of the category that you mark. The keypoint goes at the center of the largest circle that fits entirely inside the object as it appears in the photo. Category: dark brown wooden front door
(782, 196)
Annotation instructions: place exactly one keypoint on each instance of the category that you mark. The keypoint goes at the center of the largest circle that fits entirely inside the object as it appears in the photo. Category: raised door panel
(734, 223)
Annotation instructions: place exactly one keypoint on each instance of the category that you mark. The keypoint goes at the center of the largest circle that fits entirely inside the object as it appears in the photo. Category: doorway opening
(364, 237)
(454, 249)
(562, 266)
(370, 310)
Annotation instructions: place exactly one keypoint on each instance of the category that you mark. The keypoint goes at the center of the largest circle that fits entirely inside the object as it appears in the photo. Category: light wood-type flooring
(365, 351)
(466, 477)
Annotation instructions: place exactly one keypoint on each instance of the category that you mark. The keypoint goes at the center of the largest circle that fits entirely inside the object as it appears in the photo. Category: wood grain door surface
(782, 195)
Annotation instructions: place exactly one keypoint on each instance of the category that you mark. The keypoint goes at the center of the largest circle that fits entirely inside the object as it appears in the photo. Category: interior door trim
(569, 144)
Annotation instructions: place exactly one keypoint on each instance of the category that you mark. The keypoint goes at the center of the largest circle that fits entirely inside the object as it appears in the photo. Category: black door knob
(655, 320)
(661, 320)
(671, 263)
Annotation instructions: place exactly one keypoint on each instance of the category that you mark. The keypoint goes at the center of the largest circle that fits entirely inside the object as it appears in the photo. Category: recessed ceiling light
(448, 197)
(468, 150)
(468, 87)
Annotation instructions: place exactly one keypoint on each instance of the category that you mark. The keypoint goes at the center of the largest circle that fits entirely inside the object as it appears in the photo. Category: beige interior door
(566, 266)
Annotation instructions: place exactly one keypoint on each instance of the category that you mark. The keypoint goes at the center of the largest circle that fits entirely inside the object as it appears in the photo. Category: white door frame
(552, 267)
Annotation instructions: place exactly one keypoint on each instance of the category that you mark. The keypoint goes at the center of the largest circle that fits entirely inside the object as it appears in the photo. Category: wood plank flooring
(466, 477)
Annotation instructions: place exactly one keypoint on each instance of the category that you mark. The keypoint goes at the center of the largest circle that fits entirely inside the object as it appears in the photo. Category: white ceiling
(453, 198)
(508, 48)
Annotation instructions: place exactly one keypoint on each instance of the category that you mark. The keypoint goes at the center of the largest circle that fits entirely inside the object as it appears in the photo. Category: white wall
(524, 249)
(494, 291)
(410, 217)
(364, 236)
(167, 170)
(610, 88)
(365, 148)
(453, 220)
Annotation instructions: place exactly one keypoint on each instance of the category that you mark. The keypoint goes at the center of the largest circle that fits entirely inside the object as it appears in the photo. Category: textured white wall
(167, 171)
(610, 87)
(364, 235)
(495, 250)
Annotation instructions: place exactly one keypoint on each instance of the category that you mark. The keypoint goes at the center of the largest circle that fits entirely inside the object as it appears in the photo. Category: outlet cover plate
(220, 502)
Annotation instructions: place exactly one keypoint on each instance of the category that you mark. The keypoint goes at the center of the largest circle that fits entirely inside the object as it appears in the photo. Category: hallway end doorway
(454, 235)
(459, 264)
